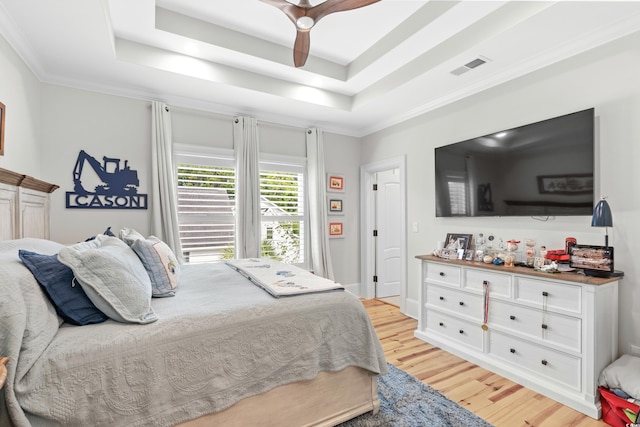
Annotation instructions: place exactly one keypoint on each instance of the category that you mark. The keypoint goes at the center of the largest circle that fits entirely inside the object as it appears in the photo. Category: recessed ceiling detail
(367, 68)
(469, 66)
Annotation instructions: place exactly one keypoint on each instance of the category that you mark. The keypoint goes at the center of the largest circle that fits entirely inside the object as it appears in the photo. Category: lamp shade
(602, 215)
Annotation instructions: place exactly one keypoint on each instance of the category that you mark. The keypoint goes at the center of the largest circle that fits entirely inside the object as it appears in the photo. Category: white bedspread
(282, 280)
(220, 339)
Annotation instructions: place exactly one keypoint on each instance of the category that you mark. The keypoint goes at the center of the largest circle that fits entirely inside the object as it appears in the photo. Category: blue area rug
(407, 402)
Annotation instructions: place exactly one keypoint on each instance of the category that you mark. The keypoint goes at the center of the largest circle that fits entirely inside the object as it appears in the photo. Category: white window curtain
(245, 140)
(318, 228)
(164, 200)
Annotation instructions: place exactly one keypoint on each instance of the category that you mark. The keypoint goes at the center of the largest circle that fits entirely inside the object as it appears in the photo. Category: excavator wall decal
(110, 186)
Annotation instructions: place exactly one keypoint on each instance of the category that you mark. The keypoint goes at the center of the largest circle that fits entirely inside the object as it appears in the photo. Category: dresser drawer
(562, 330)
(462, 303)
(553, 296)
(499, 284)
(455, 329)
(553, 365)
(449, 275)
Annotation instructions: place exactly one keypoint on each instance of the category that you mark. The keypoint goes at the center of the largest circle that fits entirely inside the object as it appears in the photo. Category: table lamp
(602, 218)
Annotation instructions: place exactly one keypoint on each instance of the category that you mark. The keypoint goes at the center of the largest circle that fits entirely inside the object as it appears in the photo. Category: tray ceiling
(368, 68)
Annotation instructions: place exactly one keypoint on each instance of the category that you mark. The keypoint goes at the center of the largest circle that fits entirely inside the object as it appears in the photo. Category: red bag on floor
(613, 409)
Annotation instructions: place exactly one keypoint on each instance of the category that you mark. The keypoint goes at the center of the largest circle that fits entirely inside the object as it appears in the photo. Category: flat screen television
(539, 169)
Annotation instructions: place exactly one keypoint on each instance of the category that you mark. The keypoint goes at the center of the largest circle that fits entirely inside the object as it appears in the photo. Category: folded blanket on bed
(282, 280)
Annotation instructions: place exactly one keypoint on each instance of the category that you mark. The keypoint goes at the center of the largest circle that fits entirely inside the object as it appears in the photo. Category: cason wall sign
(104, 185)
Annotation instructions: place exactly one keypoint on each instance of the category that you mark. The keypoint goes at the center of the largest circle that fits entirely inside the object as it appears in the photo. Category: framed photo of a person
(457, 241)
(335, 182)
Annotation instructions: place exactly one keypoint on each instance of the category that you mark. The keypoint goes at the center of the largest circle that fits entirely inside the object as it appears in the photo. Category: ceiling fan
(304, 16)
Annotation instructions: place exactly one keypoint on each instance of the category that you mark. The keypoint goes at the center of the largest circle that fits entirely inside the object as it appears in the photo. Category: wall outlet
(635, 350)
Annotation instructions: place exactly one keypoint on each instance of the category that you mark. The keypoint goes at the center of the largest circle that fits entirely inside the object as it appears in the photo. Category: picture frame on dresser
(458, 241)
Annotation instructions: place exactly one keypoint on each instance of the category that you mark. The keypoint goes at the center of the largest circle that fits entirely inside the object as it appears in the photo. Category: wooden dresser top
(576, 277)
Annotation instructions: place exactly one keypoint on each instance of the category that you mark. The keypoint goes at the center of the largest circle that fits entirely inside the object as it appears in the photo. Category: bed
(221, 351)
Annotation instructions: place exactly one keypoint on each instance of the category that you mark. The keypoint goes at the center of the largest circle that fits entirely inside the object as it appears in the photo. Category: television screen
(540, 169)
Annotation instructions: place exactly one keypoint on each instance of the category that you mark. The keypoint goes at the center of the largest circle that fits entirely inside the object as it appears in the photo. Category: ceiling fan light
(305, 22)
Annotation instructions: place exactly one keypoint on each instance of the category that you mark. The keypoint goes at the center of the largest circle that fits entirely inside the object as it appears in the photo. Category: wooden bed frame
(329, 399)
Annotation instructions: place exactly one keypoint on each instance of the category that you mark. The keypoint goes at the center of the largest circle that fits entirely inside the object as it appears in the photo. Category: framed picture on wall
(335, 206)
(335, 182)
(2, 109)
(335, 229)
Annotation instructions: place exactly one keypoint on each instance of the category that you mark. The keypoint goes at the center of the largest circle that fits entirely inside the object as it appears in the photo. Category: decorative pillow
(113, 278)
(161, 265)
(129, 235)
(68, 298)
(623, 374)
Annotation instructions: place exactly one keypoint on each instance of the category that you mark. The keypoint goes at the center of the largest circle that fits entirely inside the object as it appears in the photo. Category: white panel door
(389, 240)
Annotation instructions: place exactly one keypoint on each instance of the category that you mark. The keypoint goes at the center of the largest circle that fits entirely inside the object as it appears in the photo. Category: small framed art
(335, 206)
(335, 182)
(2, 109)
(335, 229)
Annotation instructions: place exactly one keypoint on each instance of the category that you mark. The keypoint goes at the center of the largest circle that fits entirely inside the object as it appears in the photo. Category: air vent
(469, 66)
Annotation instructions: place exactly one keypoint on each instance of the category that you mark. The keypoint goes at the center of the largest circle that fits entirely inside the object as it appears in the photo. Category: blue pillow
(67, 296)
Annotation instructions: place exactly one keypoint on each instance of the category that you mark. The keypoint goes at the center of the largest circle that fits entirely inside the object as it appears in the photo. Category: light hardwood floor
(501, 402)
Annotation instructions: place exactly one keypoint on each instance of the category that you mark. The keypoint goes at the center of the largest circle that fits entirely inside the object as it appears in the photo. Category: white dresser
(553, 333)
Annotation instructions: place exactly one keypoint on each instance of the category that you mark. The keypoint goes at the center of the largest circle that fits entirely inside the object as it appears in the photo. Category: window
(206, 206)
(282, 211)
(457, 195)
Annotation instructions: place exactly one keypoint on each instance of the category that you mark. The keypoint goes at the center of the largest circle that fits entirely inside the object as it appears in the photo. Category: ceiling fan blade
(332, 6)
(304, 17)
(301, 47)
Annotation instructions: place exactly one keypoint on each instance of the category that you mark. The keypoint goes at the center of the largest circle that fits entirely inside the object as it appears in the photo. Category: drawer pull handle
(544, 326)
(512, 350)
(461, 302)
(441, 298)
(442, 273)
(461, 331)
(512, 317)
(544, 362)
(545, 293)
(441, 324)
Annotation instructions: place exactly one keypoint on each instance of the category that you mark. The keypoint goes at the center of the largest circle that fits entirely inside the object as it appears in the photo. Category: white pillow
(113, 278)
(129, 235)
(623, 374)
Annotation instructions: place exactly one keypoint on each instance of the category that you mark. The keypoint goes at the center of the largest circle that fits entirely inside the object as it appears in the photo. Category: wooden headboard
(24, 206)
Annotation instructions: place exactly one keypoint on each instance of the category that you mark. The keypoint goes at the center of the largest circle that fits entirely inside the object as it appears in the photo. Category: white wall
(102, 125)
(605, 78)
(342, 157)
(20, 93)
